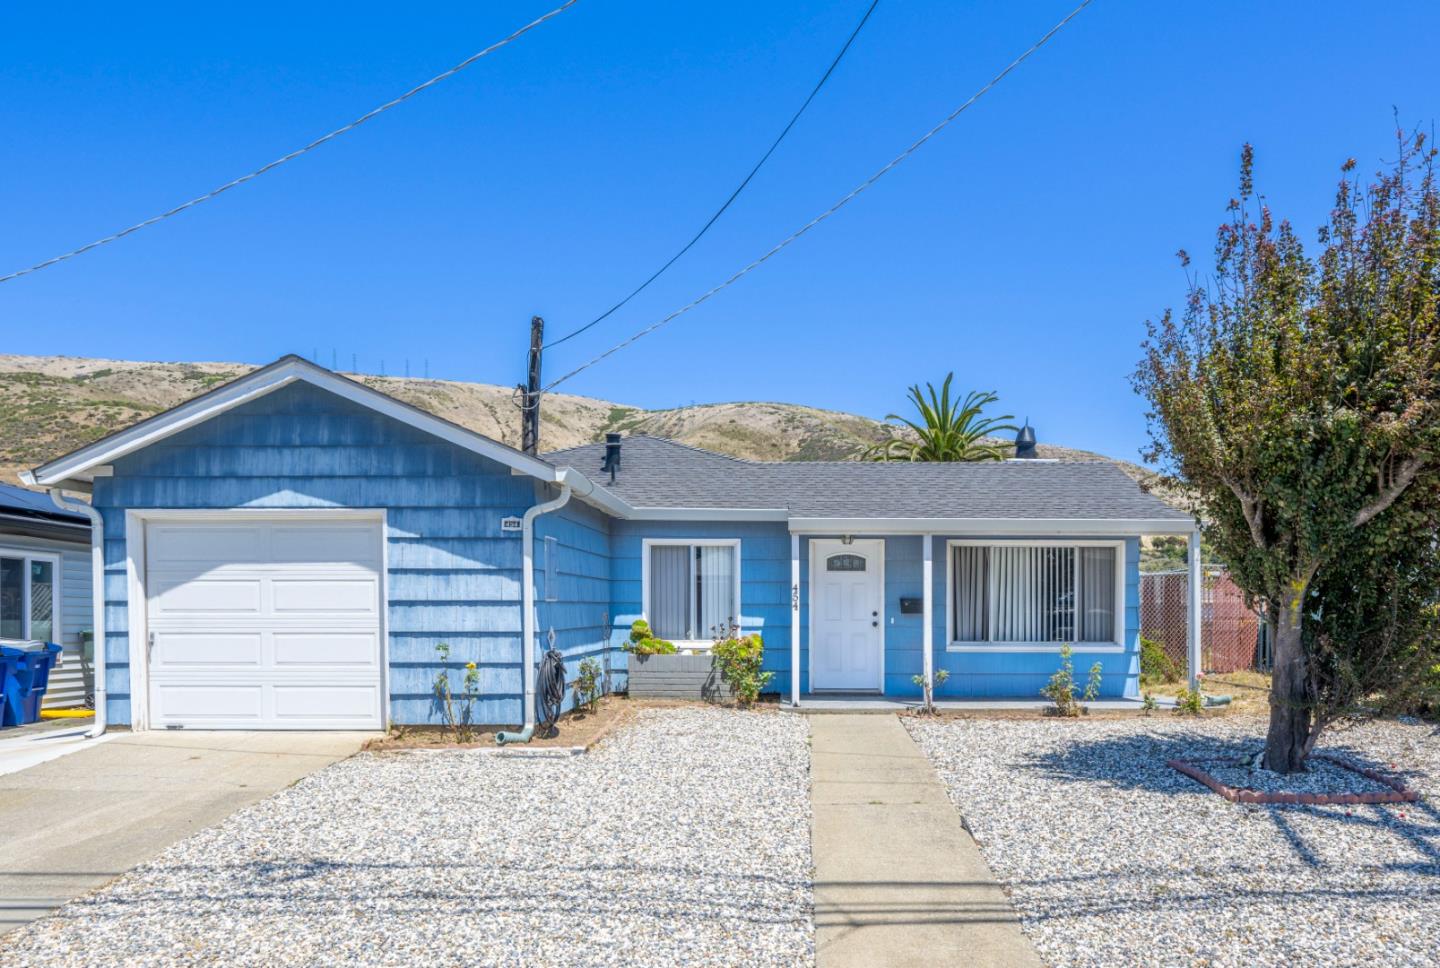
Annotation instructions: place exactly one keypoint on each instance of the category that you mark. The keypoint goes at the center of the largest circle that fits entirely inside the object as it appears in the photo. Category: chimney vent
(1025, 443)
(612, 455)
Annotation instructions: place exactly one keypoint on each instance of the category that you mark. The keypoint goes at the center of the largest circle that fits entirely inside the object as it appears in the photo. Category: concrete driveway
(69, 825)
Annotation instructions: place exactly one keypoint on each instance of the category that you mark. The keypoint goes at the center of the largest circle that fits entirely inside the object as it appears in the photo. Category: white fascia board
(591, 493)
(1101, 527)
(83, 462)
(710, 514)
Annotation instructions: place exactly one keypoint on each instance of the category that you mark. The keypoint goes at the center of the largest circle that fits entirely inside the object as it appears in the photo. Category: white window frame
(1117, 645)
(56, 605)
(649, 543)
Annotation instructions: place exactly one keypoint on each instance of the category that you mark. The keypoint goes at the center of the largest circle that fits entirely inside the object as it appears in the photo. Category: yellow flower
(469, 665)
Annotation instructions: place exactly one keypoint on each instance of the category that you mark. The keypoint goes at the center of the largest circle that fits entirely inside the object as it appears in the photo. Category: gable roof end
(82, 464)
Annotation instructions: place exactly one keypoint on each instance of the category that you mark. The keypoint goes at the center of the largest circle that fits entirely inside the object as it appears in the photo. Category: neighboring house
(287, 551)
(45, 585)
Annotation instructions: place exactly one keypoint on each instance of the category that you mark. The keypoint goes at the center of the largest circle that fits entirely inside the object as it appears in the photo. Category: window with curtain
(1033, 593)
(27, 597)
(691, 590)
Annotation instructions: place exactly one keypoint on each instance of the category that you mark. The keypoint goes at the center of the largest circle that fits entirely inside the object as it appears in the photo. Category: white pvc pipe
(527, 598)
(1195, 603)
(97, 598)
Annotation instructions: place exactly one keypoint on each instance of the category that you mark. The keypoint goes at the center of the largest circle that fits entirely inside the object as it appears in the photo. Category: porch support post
(794, 620)
(1194, 612)
(928, 636)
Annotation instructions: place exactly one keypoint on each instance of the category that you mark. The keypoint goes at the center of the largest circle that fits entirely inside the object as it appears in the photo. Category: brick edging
(1399, 793)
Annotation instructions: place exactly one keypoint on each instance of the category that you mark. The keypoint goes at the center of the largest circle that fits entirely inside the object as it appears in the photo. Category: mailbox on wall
(912, 606)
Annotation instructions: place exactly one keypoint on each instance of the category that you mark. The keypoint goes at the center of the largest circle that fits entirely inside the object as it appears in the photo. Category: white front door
(264, 624)
(847, 614)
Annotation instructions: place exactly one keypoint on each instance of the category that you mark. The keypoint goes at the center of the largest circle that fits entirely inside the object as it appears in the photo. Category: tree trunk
(1285, 745)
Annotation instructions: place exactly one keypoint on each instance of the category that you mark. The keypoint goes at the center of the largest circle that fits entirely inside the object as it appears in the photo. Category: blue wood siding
(764, 582)
(453, 576)
(578, 606)
(999, 673)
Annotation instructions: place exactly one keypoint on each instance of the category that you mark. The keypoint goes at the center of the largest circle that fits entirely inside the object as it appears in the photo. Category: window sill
(1078, 648)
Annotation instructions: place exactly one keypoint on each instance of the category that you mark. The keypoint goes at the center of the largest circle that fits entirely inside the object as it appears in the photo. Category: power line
(445, 75)
(833, 208)
(736, 193)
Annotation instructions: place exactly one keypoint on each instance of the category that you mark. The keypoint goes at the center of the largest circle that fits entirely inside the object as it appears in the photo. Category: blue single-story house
(288, 550)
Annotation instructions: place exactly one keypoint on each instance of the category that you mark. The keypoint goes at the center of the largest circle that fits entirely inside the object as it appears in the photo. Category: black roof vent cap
(1025, 443)
(612, 454)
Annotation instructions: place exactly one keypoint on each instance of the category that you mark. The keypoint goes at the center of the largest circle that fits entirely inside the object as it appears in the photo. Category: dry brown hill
(50, 405)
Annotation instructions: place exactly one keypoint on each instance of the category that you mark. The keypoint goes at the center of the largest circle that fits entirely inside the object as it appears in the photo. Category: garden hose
(549, 692)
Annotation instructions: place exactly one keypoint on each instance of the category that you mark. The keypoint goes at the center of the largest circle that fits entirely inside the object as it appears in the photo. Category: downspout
(97, 598)
(527, 619)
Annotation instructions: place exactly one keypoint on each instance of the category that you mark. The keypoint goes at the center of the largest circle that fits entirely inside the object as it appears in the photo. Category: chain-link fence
(1231, 635)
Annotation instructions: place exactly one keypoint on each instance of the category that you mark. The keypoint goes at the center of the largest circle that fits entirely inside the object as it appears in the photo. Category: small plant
(1155, 665)
(927, 688)
(589, 684)
(643, 642)
(1148, 703)
(457, 711)
(739, 657)
(1062, 687)
(1190, 702)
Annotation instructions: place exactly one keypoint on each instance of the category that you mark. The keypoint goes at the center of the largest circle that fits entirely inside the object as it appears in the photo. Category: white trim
(57, 590)
(136, 604)
(1061, 527)
(707, 514)
(1194, 611)
(278, 375)
(1117, 645)
(551, 568)
(927, 638)
(879, 544)
(647, 543)
(795, 620)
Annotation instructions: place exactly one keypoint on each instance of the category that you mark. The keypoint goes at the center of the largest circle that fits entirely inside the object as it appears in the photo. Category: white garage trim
(137, 597)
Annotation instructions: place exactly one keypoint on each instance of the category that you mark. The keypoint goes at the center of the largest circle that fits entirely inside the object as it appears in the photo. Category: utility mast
(530, 391)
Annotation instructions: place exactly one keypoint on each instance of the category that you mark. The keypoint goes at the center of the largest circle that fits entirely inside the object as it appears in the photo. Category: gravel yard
(683, 839)
(1113, 858)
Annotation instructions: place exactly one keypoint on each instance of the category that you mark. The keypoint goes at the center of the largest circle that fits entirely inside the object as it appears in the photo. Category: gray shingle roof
(658, 473)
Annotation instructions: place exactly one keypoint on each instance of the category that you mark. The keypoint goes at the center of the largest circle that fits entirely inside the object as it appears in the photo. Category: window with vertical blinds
(27, 596)
(692, 589)
(1034, 594)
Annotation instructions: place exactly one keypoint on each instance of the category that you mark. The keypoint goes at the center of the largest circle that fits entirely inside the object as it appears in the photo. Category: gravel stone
(1113, 858)
(683, 839)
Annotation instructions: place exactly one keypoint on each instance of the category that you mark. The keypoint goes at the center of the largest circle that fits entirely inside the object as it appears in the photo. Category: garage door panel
(299, 705)
(194, 703)
(193, 542)
(328, 545)
(351, 650)
(210, 595)
(269, 624)
(191, 650)
(313, 595)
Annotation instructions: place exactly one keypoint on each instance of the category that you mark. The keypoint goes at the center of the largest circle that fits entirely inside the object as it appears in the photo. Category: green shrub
(643, 642)
(1155, 665)
(1062, 687)
(589, 683)
(458, 711)
(1189, 702)
(738, 657)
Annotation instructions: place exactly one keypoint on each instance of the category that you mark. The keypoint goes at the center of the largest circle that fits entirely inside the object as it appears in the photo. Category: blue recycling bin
(26, 667)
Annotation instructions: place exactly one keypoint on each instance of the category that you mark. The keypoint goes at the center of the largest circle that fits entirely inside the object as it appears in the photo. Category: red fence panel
(1229, 631)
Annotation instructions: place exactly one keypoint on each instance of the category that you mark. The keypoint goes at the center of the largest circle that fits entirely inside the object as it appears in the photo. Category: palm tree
(944, 431)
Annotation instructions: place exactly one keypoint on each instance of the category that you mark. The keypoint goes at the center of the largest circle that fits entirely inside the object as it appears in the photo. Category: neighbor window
(1036, 594)
(27, 596)
(691, 588)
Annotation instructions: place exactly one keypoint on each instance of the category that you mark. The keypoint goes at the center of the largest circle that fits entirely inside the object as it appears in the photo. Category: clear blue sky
(1023, 249)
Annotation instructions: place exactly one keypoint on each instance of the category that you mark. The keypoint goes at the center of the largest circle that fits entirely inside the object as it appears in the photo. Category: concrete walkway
(71, 824)
(898, 879)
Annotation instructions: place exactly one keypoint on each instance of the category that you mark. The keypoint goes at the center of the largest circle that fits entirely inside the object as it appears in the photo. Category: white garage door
(264, 624)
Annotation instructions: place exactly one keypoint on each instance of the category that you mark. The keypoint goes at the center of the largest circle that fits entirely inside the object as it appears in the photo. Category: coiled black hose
(549, 693)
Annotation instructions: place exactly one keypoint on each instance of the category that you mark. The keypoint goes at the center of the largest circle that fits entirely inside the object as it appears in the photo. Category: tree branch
(1251, 508)
(1389, 494)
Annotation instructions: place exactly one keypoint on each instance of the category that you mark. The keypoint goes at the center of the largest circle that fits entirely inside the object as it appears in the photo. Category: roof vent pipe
(1025, 443)
(612, 455)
